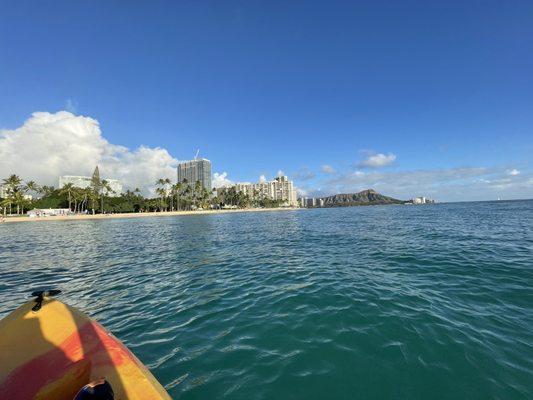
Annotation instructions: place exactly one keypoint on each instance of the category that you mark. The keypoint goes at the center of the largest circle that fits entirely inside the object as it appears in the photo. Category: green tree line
(99, 197)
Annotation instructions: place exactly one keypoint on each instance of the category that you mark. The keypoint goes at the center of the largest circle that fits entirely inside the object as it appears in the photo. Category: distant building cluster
(422, 200)
(281, 188)
(197, 170)
(84, 182)
(4, 193)
(310, 202)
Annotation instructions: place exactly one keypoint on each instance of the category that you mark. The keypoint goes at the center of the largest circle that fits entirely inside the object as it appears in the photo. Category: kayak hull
(53, 352)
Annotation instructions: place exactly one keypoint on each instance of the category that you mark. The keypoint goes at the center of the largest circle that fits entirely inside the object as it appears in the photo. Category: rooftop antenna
(196, 156)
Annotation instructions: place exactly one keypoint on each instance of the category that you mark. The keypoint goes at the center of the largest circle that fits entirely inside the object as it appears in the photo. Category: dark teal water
(393, 302)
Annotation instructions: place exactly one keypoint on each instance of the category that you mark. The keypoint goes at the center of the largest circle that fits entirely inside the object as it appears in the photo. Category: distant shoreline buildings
(192, 175)
(422, 200)
(279, 189)
(310, 202)
(84, 182)
(199, 170)
(366, 197)
(5, 192)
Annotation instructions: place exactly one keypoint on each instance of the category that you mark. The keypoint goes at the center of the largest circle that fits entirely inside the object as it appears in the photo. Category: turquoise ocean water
(384, 302)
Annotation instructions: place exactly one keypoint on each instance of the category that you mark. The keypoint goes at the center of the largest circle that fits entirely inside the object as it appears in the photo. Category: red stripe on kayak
(91, 343)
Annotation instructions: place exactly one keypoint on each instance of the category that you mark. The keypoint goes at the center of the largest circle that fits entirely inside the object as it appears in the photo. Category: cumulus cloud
(280, 173)
(303, 174)
(377, 160)
(48, 145)
(328, 169)
(221, 180)
(514, 172)
(262, 179)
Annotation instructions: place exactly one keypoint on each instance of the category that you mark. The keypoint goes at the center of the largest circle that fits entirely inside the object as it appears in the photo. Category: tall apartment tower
(196, 170)
(281, 188)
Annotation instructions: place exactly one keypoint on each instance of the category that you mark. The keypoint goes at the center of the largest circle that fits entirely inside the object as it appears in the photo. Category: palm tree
(168, 190)
(76, 195)
(185, 189)
(214, 198)
(134, 199)
(21, 201)
(12, 184)
(161, 190)
(205, 196)
(177, 191)
(187, 194)
(96, 189)
(255, 198)
(47, 190)
(230, 196)
(93, 197)
(197, 192)
(5, 203)
(31, 186)
(67, 189)
(105, 188)
(87, 193)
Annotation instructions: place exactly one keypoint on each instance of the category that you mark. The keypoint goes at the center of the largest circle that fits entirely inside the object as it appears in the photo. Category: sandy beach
(78, 217)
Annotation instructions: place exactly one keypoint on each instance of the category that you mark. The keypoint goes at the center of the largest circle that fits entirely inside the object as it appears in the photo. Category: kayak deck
(53, 352)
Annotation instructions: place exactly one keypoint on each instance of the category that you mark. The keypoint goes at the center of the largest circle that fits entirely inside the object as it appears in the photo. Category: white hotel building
(281, 188)
(84, 182)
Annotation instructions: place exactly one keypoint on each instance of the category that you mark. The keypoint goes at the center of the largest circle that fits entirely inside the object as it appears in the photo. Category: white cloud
(221, 180)
(377, 160)
(301, 192)
(280, 173)
(514, 172)
(454, 184)
(303, 174)
(328, 169)
(49, 145)
(262, 179)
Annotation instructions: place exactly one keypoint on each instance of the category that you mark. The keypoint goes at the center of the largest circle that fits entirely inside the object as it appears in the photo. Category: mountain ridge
(366, 197)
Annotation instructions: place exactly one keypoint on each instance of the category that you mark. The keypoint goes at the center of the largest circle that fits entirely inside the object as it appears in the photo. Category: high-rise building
(4, 192)
(311, 202)
(284, 190)
(281, 188)
(198, 170)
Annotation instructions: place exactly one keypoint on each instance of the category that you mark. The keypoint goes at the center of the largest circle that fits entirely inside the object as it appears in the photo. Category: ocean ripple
(369, 302)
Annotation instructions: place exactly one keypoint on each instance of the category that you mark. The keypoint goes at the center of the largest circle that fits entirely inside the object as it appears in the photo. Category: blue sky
(304, 87)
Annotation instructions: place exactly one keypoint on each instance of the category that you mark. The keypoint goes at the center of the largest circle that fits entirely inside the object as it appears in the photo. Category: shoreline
(80, 217)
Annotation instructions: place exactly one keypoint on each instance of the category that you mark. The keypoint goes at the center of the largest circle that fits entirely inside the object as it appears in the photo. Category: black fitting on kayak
(40, 295)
